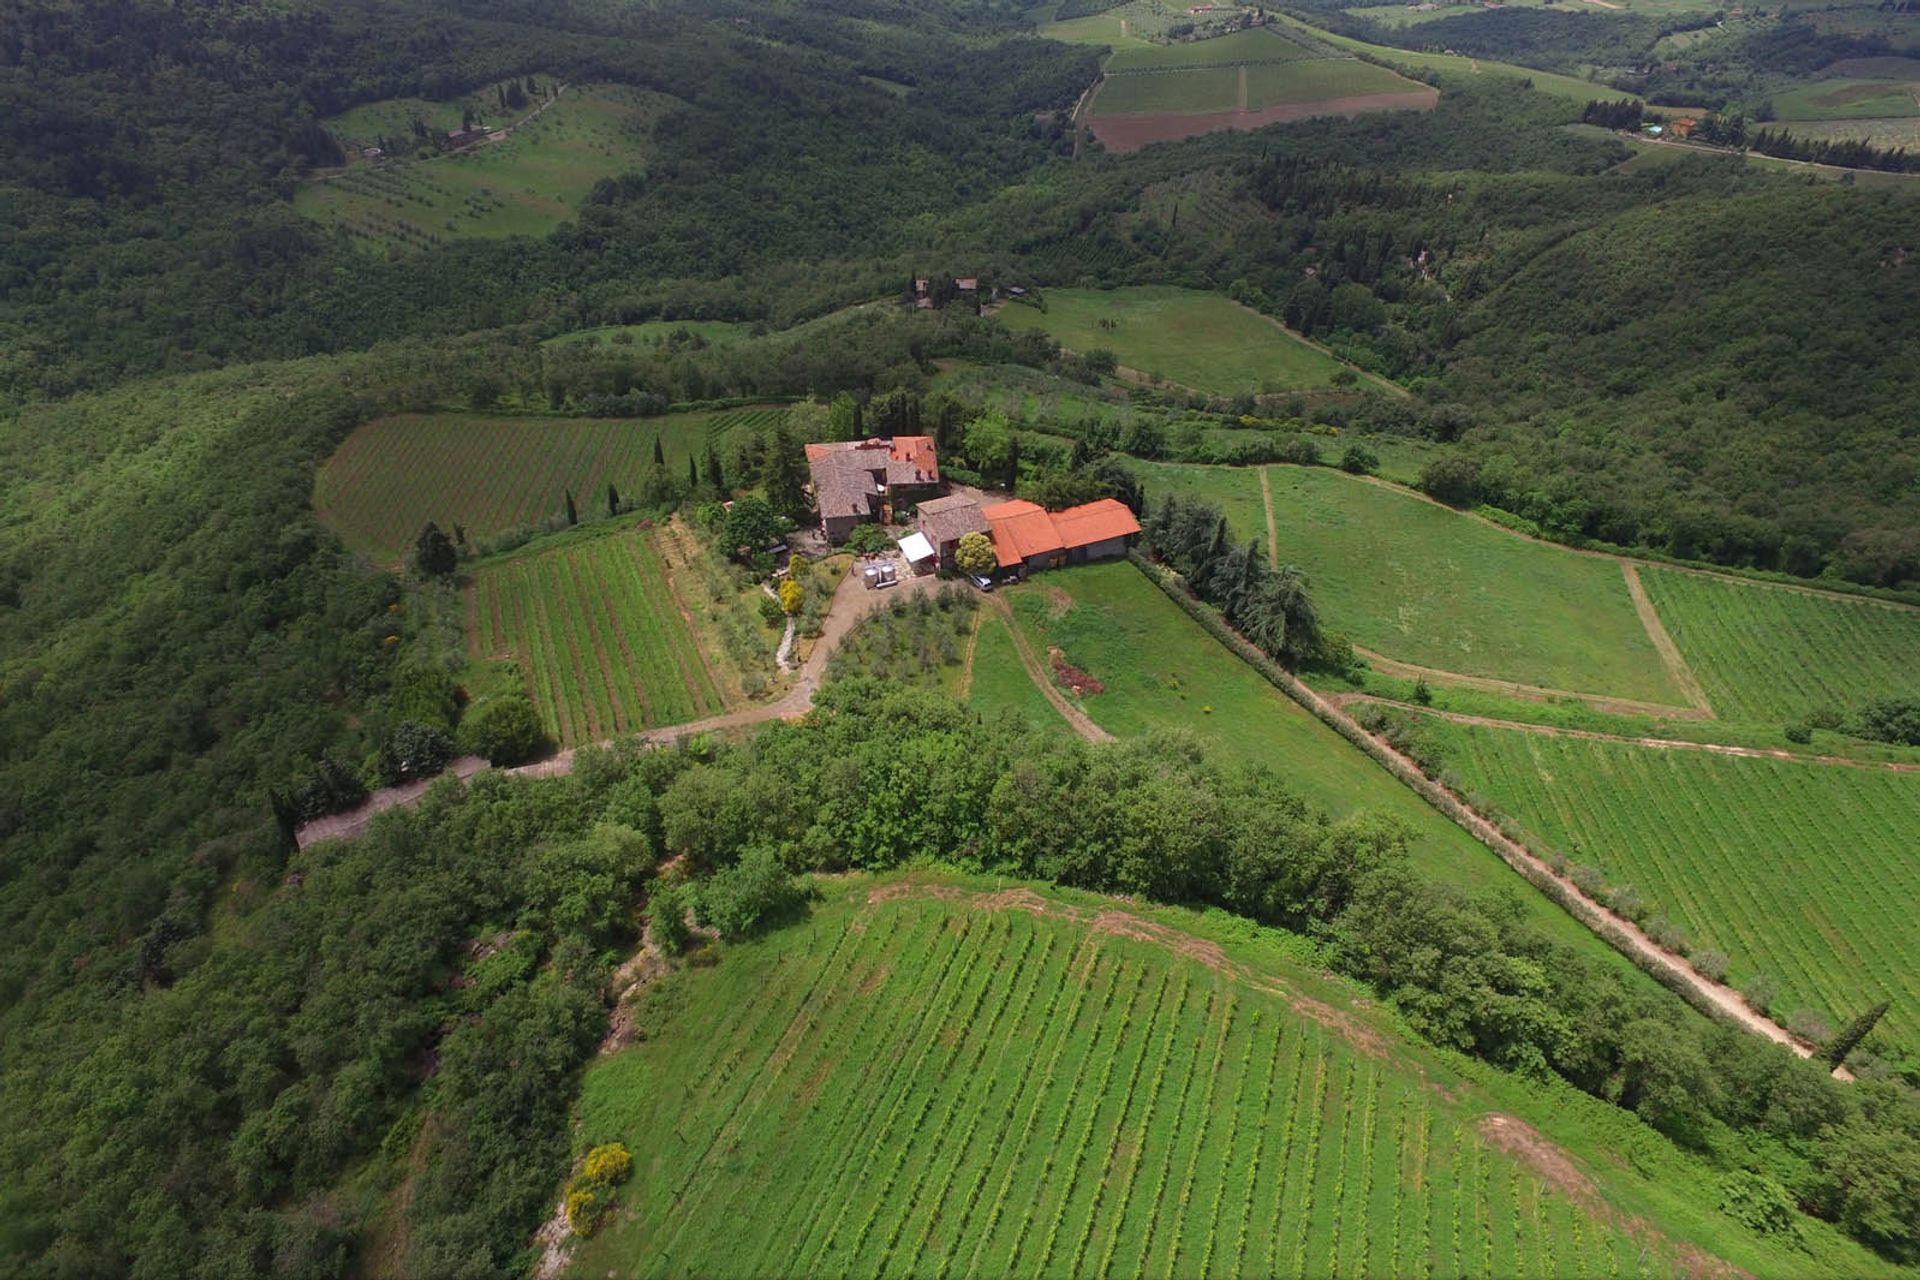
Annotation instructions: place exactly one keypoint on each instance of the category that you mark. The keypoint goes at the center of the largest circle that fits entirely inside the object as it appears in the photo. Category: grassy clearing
(525, 185)
(487, 474)
(1262, 44)
(1848, 100)
(1559, 86)
(1803, 872)
(1769, 653)
(594, 626)
(1323, 78)
(1234, 490)
(1000, 683)
(1162, 671)
(1198, 339)
(934, 1085)
(1429, 586)
(1888, 134)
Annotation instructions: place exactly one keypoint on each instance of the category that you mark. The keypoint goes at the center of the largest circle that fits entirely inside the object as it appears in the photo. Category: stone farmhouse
(859, 480)
(1027, 537)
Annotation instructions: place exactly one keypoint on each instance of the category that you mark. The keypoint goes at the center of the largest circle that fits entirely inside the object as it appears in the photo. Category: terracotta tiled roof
(1020, 530)
(1100, 521)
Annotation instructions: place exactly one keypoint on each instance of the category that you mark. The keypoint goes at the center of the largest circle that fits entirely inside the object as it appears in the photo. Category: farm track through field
(1529, 692)
(1677, 669)
(1082, 723)
(1344, 700)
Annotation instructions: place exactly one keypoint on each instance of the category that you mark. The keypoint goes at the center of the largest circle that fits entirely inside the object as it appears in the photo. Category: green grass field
(1163, 671)
(1560, 86)
(525, 185)
(1800, 871)
(1772, 653)
(1404, 15)
(920, 1081)
(999, 684)
(1198, 89)
(1848, 100)
(1287, 83)
(1198, 339)
(595, 627)
(1262, 44)
(1425, 585)
(1887, 134)
(393, 475)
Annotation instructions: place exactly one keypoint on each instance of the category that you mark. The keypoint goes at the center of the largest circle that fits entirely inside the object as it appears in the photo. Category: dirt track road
(851, 602)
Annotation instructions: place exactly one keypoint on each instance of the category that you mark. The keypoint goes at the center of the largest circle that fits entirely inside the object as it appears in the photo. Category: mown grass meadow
(1198, 339)
(1422, 584)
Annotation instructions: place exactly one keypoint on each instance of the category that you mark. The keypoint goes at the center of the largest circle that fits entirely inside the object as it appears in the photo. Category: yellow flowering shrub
(609, 1163)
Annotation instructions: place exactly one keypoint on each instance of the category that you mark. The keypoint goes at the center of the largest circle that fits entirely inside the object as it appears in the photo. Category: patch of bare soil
(1071, 676)
(1121, 134)
(1548, 1162)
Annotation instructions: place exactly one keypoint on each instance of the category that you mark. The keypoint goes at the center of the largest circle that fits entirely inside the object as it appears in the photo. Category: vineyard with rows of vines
(1796, 871)
(489, 474)
(1770, 653)
(929, 1084)
(596, 628)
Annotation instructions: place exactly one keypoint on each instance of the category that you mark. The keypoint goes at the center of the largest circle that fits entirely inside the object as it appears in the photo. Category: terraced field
(1200, 339)
(1803, 872)
(929, 1083)
(393, 475)
(525, 184)
(1769, 653)
(599, 636)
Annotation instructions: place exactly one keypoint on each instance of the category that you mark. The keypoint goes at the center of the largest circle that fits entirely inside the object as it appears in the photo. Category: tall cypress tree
(659, 454)
(693, 473)
(1850, 1037)
(715, 476)
(573, 516)
(613, 501)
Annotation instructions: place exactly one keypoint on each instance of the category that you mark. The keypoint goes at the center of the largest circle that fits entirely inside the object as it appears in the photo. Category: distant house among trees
(859, 480)
(465, 136)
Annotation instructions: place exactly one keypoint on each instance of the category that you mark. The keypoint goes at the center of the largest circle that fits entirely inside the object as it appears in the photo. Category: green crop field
(525, 185)
(598, 634)
(1196, 89)
(998, 683)
(393, 475)
(1800, 871)
(919, 1080)
(1287, 83)
(1560, 86)
(1889, 134)
(1202, 340)
(1773, 653)
(1848, 100)
(1163, 671)
(1262, 44)
(1421, 584)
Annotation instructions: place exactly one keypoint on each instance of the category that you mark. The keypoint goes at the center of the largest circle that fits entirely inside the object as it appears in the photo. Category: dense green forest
(219, 1056)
